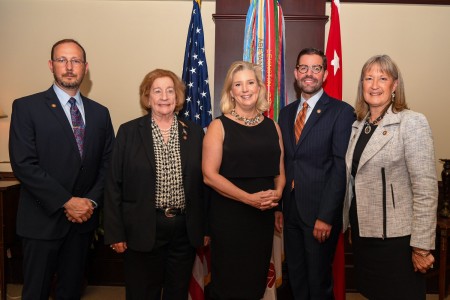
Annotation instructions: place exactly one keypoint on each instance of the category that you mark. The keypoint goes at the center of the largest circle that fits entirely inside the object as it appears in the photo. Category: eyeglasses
(314, 68)
(63, 61)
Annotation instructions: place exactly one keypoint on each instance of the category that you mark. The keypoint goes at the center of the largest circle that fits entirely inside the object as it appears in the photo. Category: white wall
(417, 38)
(126, 39)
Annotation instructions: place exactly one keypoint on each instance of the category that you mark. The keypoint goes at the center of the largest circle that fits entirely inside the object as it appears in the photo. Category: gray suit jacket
(397, 168)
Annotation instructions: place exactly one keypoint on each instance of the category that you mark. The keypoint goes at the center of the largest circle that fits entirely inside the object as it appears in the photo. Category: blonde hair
(227, 103)
(149, 79)
(390, 68)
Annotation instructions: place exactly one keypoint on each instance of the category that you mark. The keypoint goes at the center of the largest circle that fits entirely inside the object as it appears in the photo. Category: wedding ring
(323, 234)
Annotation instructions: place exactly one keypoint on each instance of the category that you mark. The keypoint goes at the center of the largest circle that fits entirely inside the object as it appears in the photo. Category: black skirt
(384, 268)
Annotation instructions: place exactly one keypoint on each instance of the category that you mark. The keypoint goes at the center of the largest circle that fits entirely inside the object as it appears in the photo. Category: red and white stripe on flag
(274, 277)
(333, 87)
(200, 274)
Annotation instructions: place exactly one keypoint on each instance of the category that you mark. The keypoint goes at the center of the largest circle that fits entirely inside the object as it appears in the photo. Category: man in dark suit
(60, 144)
(316, 130)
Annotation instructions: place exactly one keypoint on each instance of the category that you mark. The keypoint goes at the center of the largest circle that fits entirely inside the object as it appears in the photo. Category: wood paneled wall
(305, 27)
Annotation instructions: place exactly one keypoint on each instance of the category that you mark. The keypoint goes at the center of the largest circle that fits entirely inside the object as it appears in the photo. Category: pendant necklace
(368, 125)
(247, 121)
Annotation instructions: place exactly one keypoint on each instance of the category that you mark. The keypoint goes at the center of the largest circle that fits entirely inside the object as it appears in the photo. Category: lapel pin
(319, 111)
(53, 105)
(185, 134)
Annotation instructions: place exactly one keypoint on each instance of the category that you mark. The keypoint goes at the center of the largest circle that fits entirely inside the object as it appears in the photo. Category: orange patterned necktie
(298, 127)
(300, 122)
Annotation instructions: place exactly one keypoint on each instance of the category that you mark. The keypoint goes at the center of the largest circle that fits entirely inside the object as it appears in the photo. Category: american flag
(195, 73)
(197, 108)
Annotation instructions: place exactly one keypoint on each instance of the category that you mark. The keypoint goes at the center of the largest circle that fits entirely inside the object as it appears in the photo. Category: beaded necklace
(368, 124)
(247, 121)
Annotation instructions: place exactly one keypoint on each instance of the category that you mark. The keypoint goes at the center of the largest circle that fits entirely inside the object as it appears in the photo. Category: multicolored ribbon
(264, 44)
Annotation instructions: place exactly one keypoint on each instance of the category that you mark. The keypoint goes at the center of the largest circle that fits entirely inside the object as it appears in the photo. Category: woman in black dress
(243, 163)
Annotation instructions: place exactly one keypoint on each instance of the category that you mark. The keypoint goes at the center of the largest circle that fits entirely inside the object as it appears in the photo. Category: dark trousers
(65, 257)
(309, 262)
(166, 269)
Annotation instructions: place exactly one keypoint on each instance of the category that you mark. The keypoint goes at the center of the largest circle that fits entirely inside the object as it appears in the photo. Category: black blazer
(45, 158)
(129, 214)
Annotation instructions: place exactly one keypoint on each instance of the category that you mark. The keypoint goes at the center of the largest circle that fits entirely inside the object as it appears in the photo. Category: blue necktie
(77, 124)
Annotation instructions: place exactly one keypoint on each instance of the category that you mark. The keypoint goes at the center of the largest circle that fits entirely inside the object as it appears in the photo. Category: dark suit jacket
(45, 158)
(130, 189)
(317, 162)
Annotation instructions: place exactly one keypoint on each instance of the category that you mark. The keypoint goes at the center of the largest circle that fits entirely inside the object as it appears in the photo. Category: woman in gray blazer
(391, 198)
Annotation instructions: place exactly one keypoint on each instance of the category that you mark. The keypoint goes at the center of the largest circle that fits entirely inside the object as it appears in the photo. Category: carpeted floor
(118, 293)
(91, 293)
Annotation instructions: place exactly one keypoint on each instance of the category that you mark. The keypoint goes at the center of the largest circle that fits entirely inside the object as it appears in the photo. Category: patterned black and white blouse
(169, 179)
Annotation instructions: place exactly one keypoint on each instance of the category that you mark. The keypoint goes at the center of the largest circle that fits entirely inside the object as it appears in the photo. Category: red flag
(333, 84)
(333, 87)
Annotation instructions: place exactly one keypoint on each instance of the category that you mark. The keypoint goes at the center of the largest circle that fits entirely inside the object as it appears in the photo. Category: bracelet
(423, 254)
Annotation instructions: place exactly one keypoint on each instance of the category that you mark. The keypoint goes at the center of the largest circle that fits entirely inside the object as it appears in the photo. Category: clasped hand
(264, 200)
(78, 210)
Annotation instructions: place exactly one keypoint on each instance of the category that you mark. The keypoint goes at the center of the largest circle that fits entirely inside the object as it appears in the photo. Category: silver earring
(393, 96)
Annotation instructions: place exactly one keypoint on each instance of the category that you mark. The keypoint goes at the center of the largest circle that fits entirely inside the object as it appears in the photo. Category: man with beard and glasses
(60, 143)
(316, 130)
